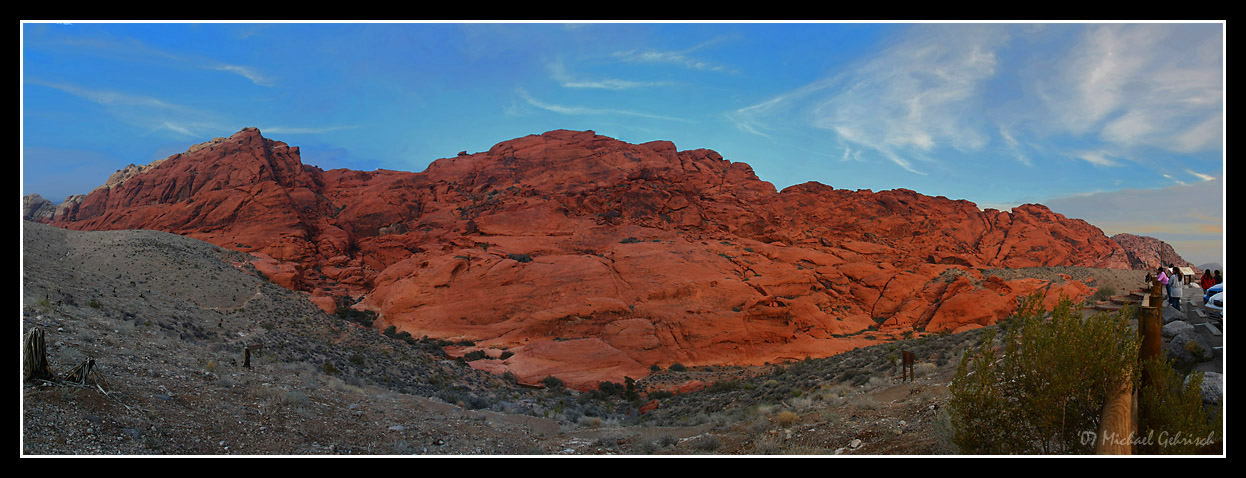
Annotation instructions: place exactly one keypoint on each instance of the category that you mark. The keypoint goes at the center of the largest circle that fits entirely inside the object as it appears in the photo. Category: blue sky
(1120, 124)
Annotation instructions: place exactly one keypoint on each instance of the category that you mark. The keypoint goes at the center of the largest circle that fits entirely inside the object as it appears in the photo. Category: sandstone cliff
(592, 259)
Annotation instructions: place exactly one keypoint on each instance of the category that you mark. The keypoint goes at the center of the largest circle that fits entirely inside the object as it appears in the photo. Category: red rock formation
(591, 259)
(1149, 253)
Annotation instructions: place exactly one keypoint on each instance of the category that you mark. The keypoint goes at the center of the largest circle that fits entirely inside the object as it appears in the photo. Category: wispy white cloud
(248, 73)
(682, 58)
(1174, 180)
(1097, 158)
(109, 97)
(913, 96)
(1015, 146)
(610, 84)
(146, 112)
(567, 80)
(558, 71)
(179, 128)
(1116, 89)
(1132, 85)
(1200, 176)
(581, 110)
(903, 103)
(132, 50)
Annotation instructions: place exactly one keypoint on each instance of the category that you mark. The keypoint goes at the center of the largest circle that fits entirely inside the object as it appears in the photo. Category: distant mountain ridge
(592, 258)
(1149, 253)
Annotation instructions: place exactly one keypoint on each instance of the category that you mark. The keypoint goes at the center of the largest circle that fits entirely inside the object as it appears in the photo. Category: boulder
(1174, 328)
(1212, 386)
(1187, 349)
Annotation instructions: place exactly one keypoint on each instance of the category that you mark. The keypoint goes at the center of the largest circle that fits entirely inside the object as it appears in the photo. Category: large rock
(1174, 328)
(36, 208)
(591, 259)
(1212, 387)
(1187, 349)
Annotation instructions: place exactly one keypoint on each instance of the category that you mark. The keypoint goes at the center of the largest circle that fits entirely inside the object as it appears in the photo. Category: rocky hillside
(1149, 253)
(581, 256)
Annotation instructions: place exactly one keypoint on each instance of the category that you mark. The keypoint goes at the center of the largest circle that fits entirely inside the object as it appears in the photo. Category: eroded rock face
(592, 259)
(1149, 253)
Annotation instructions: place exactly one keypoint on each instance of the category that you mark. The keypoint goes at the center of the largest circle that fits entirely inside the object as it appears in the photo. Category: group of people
(1172, 279)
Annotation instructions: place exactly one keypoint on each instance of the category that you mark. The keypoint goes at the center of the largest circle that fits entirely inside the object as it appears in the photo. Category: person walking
(1163, 279)
(1175, 288)
(1207, 281)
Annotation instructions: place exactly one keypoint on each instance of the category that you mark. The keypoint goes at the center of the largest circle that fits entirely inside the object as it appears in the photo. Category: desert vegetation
(1041, 387)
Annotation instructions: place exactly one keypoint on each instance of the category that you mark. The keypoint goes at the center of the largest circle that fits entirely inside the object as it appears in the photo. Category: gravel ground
(166, 318)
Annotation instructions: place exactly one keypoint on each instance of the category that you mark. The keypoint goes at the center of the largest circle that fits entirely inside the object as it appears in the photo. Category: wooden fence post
(1119, 421)
(1117, 427)
(1150, 321)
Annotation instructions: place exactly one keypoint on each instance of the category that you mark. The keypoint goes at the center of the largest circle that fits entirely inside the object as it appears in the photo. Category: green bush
(329, 369)
(1044, 386)
(552, 383)
(1104, 293)
(520, 257)
(1173, 420)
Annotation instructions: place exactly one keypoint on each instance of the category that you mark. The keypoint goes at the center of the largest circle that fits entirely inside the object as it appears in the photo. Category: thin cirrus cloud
(1140, 85)
(581, 110)
(1115, 88)
(899, 105)
(248, 73)
(108, 97)
(559, 73)
(133, 50)
(682, 58)
(150, 113)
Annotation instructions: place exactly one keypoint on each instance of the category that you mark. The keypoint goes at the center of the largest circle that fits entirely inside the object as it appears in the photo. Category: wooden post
(1116, 428)
(1150, 320)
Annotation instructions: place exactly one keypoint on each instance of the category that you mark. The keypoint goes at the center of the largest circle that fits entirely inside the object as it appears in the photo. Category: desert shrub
(1104, 293)
(607, 388)
(520, 257)
(362, 317)
(925, 369)
(552, 383)
(677, 367)
(659, 394)
(786, 418)
(723, 386)
(629, 240)
(1173, 420)
(706, 443)
(1047, 383)
(329, 369)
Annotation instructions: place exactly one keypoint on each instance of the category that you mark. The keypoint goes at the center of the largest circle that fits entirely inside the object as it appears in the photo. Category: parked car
(1213, 298)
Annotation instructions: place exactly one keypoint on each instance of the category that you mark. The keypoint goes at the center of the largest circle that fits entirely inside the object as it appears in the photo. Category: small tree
(1174, 420)
(1048, 386)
